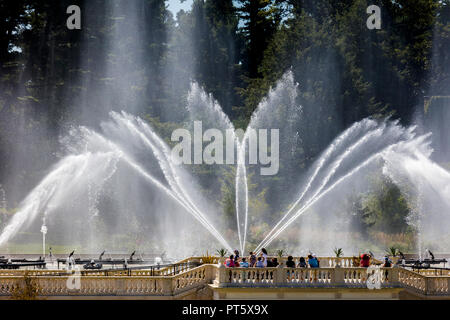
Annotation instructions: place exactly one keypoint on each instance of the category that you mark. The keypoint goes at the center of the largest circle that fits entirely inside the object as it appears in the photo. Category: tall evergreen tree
(215, 25)
(258, 27)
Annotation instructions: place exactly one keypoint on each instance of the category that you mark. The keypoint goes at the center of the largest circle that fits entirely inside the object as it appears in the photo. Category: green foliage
(280, 253)
(386, 208)
(392, 251)
(222, 252)
(382, 209)
(338, 252)
(259, 24)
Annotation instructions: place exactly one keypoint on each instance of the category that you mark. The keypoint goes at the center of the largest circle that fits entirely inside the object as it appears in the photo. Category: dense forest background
(52, 77)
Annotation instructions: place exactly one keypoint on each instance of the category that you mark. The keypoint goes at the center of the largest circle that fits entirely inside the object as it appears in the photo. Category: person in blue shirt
(313, 262)
(259, 263)
(244, 263)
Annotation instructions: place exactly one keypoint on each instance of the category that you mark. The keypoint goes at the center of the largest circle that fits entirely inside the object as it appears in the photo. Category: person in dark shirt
(387, 262)
(252, 259)
(302, 263)
(236, 255)
(275, 262)
(290, 262)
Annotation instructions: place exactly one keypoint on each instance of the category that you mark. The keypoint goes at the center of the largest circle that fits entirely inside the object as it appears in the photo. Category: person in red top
(365, 260)
(230, 262)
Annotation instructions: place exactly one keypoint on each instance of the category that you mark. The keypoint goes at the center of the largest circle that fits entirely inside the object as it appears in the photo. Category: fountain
(117, 176)
(94, 158)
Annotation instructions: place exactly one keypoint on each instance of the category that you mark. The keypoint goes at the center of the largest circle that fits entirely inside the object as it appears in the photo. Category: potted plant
(222, 255)
(207, 259)
(338, 252)
(280, 254)
(392, 254)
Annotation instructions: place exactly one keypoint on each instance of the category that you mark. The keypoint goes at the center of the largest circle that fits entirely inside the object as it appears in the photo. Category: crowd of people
(262, 261)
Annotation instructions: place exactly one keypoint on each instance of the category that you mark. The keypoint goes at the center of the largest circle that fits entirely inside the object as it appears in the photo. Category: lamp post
(44, 232)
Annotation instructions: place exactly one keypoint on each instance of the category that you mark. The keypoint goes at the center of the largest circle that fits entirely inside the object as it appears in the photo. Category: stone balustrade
(143, 283)
(327, 262)
(301, 277)
(351, 277)
(433, 272)
(111, 285)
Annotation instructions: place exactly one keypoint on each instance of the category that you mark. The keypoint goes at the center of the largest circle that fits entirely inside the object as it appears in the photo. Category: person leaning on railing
(236, 255)
(252, 259)
(302, 263)
(365, 260)
(230, 263)
(244, 263)
(313, 262)
(259, 263)
(264, 256)
(274, 262)
(387, 264)
(290, 262)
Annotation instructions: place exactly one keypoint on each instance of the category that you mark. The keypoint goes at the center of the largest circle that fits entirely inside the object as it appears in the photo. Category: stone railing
(192, 278)
(301, 277)
(98, 273)
(141, 283)
(332, 277)
(327, 262)
(49, 285)
(178, 267)
(423, 284)
(37, 272)
(433, 272)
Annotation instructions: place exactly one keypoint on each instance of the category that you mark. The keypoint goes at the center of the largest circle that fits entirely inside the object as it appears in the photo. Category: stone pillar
(429, 285)
(279, 276)
(393, 275)
(119, 286)
(210, 273)
(224, 277)
(337, 277)
(166, 284)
